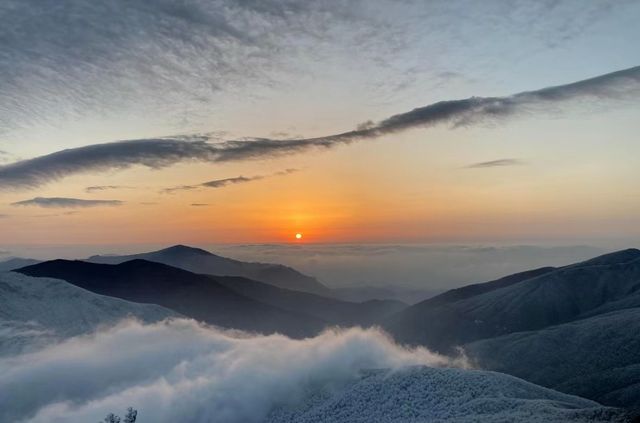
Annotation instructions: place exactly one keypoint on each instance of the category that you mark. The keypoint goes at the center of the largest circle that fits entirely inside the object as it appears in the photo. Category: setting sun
(298, 236)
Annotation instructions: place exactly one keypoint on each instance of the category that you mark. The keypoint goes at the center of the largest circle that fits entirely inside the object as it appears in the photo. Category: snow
(596, 358)
(439, 395)
(37, 311)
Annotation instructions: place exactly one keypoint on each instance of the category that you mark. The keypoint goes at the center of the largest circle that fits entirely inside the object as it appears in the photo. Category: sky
(212, 122)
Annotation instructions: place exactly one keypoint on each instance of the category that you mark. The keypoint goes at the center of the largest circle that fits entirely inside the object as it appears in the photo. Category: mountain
(36, 311)
(597, 357)
(574, 329)
(423, 394)
(201, 261)
(198, 296)
(523, 302)
(16, 263)
(332, 311)
(398, 293)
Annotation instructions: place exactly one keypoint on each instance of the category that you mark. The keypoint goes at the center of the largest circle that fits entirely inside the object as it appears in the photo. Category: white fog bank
(179, 371)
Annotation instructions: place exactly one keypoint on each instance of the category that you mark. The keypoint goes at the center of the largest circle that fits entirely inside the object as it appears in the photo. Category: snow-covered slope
(16, 263)
(35, 311)
(554, 297)
(597, 357)
(439, 395)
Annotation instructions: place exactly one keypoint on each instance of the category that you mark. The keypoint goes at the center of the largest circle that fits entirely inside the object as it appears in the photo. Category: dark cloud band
(220, 183)
(496, 163)
(61, 202)
(162, 152)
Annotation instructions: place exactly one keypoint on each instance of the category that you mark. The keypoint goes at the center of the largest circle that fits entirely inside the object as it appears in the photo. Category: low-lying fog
(178, 370)
(430, 268)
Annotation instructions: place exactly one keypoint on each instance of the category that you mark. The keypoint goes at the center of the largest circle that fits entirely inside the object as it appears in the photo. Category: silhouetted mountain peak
(184, 249)
(200, 261)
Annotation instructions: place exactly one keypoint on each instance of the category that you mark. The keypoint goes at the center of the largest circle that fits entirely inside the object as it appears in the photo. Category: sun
(298, 236)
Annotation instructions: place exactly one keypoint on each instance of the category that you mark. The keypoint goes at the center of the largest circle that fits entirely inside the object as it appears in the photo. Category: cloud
(67, 213)
(61, 202)
(496, 163)
(220, 183)
(162, 152)
(200, 204)
(122, 58)
(178, 370)
(4, 156)
(427, 267)
(105, 188)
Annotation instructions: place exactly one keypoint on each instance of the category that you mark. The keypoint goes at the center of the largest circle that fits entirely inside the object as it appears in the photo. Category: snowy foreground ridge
(425, 394)
(38, 311)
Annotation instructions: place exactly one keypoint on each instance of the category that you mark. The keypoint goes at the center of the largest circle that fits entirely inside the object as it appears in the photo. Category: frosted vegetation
(37, 311)
(439, 395)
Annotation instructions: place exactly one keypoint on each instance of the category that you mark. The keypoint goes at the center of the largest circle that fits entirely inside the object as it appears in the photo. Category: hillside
(36, 311)
(494, 309)
(16, 263)
(330, 310)
(196, 296)
(424, 394)
(596, 357)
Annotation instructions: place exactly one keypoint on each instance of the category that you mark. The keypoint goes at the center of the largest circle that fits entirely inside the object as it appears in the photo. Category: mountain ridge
(546, 299)
(193, 295)
(201, 261)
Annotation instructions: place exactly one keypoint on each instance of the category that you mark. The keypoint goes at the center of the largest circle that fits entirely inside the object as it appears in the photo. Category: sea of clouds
(180, 371)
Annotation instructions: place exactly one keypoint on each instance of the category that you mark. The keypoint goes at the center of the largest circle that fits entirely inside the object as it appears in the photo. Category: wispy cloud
(106, 188)
(123, 57)
(67, 213)
(62, 202)
(220, 183)
(200, 204)
(162, 152)
(496, 163)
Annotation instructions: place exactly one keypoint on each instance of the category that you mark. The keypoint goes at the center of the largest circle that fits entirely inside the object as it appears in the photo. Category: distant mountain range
(227, 301)
(330, 310)
(574, 328)
(201, 297)
(197, 260)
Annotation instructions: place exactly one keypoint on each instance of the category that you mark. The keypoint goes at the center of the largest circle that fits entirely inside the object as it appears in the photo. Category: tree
(130, 417)
(111, 418)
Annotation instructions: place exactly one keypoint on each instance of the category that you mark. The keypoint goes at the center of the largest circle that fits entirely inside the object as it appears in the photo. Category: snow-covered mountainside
(197, 260)
(36, 311)
(574, 329)
(16, 263)
(439, 395)
(597, 357)
(550, 298)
